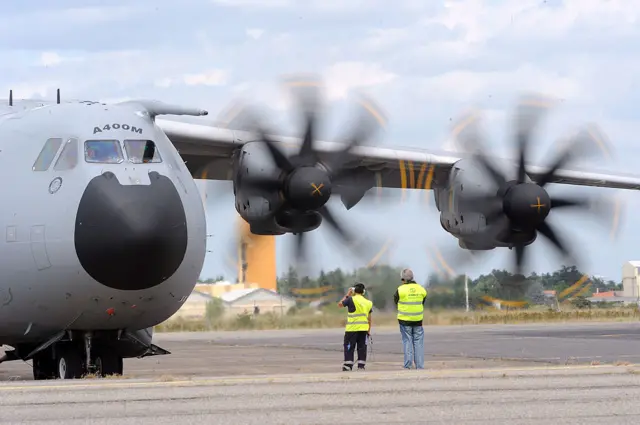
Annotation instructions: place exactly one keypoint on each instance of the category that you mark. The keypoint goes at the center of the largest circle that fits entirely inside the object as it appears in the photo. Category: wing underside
(208, 154)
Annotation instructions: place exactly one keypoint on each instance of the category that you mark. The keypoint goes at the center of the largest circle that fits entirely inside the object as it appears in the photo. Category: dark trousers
(351, 341)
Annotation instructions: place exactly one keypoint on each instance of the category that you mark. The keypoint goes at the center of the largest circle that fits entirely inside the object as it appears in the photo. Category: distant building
(630, 278)
(629, 293)
(216, 289)
(235, 302)
(195, 307)
(245, 300)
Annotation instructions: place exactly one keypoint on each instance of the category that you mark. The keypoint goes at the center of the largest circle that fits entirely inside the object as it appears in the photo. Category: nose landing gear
(73, 360)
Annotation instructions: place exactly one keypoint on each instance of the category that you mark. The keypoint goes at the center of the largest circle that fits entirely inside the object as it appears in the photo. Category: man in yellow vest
(358, 326)
(410, 298)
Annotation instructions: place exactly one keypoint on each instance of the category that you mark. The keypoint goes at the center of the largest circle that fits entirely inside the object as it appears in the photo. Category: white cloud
(344, 76)
(93, 15)
(532, 19)
(50, 59)
(216, 77)
(462, 86)
(48, 18)
(254, 33)
(164, 82)
(253, 3)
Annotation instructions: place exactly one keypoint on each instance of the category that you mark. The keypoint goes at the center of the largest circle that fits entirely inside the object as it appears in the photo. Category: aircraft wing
(208, 151)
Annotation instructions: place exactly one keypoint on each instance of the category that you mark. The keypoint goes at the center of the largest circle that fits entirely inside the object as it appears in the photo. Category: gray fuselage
(44, 286)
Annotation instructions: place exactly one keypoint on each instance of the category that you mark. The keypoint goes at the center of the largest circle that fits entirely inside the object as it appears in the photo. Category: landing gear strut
(73, 360)
(74, 354)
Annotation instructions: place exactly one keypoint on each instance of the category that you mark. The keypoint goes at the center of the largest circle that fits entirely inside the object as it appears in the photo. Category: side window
(103, 151)
(142, 151)
(48, 152)
(69, 156)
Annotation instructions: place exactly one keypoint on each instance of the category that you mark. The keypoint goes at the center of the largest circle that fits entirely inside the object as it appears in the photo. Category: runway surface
(223, 377)
(320, 350)
(570, 395)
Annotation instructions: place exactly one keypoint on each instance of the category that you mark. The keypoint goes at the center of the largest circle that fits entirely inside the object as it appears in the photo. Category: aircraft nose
(130, 237)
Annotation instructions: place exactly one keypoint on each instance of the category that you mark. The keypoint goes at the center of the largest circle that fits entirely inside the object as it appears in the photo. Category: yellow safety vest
(359, 319)
(410, 306)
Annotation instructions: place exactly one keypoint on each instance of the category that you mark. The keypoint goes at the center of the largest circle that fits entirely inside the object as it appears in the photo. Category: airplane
(105, 230)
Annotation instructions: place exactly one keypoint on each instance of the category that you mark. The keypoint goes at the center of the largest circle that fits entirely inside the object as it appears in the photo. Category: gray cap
(406, 274)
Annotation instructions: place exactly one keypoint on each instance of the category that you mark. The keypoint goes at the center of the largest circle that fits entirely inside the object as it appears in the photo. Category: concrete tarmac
(564, 395)
(320, 350)
(523, 374)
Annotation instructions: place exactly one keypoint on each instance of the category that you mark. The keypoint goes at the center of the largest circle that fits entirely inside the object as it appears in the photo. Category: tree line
(382, 281)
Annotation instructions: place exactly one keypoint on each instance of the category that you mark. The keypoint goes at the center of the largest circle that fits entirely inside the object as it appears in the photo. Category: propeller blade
(607, 210)
(548, 232)
(498, 177)
(363, 248)
(453, 262)
(280, 159)
(562, 202)
(334, 225)
(370, 120)
(529, 112)
(250, 117)
(519, 259)
(307, 155)
(467, 135)
(580, 146)
(306, 91)
(300, 252)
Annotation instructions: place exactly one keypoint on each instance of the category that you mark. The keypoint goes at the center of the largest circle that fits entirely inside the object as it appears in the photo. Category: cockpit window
(69, 156)
(103, 151)
(48, 152)
(142, 151)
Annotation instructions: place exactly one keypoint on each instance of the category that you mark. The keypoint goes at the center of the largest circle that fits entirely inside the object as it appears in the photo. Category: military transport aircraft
(105, 231)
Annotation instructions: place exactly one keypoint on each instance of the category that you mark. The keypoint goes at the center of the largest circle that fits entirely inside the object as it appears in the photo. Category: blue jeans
(413, 345)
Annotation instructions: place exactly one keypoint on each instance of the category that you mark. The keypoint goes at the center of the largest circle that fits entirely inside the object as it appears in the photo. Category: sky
(423, 62)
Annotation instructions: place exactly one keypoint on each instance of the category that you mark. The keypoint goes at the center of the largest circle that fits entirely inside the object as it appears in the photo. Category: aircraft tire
(69, 364)
(108, 363)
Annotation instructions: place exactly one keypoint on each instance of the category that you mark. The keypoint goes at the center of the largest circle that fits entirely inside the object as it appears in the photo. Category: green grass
(331, 319)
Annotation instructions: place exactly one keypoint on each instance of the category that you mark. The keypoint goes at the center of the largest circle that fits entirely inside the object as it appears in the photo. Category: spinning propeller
(518, 209)
(307, 179)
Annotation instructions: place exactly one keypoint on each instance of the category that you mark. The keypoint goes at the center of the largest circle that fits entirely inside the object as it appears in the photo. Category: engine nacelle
(466, 178)
(256, 208)
(259, 208)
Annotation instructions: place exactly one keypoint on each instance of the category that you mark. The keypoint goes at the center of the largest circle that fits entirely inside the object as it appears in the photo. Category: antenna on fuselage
(58, 96)
(10, 97)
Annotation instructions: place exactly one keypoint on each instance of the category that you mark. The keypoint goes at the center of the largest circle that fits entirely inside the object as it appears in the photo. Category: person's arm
(341, 303)
(369, 319)
(396, 297)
